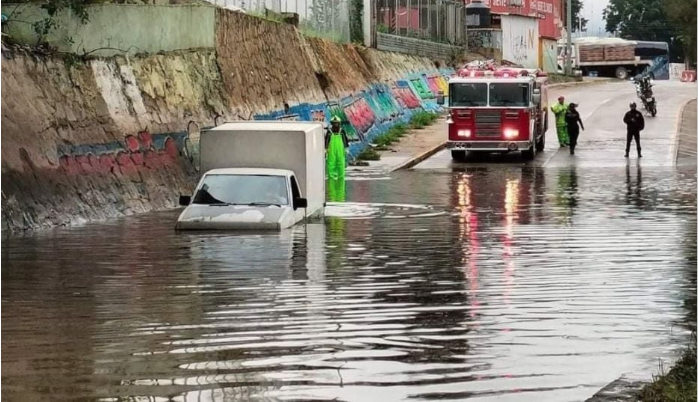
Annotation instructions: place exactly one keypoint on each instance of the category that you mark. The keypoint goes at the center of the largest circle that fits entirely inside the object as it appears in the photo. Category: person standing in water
(635, 123)
(560, 110)
(573, 122)
(336, 144)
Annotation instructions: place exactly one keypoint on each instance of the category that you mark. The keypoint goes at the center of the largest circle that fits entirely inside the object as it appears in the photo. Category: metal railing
(433, 20)
(321, 18)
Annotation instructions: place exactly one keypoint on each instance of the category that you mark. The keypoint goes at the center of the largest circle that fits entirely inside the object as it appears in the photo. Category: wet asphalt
(488, 280)
(602, 144)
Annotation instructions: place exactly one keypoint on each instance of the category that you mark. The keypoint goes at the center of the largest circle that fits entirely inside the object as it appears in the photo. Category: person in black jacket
(635, 123)
(574, 121)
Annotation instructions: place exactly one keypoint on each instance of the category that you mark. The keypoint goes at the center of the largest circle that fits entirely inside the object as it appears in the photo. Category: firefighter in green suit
(336, 144)
(560, 110)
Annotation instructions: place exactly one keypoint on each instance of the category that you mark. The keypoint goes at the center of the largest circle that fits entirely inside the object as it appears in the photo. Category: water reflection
(567, 194)
(495, 299)
(336, 190)
(634, 191)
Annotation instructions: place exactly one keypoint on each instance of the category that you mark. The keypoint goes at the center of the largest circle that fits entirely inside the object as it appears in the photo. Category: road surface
(602, 107)
(484, 282)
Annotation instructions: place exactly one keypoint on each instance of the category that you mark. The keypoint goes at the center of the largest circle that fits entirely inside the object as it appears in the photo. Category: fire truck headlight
(464, 133)
(511, 133)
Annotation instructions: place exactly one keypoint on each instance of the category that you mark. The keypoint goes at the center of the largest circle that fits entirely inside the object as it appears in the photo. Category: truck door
(295, 194)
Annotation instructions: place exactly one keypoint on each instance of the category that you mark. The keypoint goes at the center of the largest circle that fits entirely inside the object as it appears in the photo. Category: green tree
(44, 26)
(682, 14)
(356, 24)
(644, 20)
(578, 23)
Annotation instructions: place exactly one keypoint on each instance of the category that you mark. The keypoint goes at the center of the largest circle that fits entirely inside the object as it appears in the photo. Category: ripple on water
(503, 284)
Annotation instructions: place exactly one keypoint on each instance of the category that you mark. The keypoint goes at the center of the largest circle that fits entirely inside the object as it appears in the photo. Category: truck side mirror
(440, 98)
(300, 203)
(536, 96)
(184, 200)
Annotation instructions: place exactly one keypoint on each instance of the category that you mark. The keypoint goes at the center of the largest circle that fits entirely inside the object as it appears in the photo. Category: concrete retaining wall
(117, 136)
(401, 44)
(686, 136)
(118, 28)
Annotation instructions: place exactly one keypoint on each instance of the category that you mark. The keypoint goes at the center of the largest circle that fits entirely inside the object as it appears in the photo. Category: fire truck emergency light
(511, 133)
(464, 133)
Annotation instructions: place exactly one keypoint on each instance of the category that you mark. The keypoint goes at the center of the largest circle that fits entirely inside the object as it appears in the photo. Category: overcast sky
(593, 11)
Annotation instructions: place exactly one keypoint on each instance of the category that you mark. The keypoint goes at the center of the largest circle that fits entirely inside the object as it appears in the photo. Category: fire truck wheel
(458, 155)
(540, 144)
(529, 154)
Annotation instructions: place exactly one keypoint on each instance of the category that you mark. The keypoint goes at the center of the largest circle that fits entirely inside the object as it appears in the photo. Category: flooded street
(488, 283)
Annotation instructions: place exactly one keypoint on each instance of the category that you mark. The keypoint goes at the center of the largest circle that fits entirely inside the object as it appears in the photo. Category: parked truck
(504, 110)
(615, 57)
(258, 176)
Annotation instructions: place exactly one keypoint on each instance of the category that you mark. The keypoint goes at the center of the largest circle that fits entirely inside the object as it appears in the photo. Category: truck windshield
(226, 189)
(509, 94)
(466, 94)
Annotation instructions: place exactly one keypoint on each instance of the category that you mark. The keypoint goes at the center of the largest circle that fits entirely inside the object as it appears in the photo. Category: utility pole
(568, 59)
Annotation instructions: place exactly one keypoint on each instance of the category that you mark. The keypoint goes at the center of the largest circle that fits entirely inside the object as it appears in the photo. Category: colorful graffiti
(126, 158)
(421, 87)
(300, 112)
(374, 110)
(360, 115)
(404, 95)
(335, 109)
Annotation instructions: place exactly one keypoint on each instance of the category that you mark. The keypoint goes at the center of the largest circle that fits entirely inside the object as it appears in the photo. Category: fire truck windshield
(509, 94)
(468, 94)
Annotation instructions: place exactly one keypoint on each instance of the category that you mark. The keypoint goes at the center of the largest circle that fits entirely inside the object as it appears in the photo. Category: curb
(676, 137)
(419, 158)
(578, 83)
(427, 154)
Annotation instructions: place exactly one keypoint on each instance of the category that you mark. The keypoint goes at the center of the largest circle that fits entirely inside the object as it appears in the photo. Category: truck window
(467, 94)
(509, 94)
(221, 189)
(295, 192)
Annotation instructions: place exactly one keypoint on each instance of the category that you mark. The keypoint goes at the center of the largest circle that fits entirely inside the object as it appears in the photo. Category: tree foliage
(645, 20)
(45, 26)
(578, 23)
(356, 25)
(682, 14)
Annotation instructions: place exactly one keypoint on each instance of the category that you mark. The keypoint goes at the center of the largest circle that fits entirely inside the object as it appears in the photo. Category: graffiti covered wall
(520, 40)
(116, 136)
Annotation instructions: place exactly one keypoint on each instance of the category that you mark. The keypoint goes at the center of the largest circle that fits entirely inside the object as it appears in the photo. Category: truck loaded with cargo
(615, 57)
(258, 176)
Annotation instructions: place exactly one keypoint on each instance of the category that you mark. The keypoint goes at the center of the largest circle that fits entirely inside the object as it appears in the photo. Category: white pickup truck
(258, 176)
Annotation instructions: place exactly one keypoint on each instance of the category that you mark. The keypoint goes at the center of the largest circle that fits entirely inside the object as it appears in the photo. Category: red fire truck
(499, 110)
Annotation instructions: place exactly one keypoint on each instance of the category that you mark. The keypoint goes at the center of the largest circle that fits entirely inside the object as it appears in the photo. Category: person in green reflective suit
(336, 144)
(336, 190)
(560, 110)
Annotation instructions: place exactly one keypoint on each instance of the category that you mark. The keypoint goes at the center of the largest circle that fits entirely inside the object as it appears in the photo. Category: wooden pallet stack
(619, 53)
(591, 53)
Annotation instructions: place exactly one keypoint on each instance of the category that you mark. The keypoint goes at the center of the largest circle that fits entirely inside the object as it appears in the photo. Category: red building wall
(548, 13)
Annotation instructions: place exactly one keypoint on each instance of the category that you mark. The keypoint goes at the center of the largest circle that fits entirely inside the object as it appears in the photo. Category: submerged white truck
(259, 175)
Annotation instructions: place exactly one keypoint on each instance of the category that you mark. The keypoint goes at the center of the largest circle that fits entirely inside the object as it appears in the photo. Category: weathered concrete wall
(342, 66)
(263, 64)
(520, 40)
(66, 160)
(115, 136)
(115, 28)
(687, 137)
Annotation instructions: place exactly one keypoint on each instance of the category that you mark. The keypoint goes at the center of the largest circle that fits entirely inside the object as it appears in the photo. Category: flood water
(494, 283)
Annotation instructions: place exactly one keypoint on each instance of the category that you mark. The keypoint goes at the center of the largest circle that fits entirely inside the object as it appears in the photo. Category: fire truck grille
(488, 123)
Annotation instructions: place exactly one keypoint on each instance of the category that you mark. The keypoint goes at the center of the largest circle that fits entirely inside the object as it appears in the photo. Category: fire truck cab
(501, 110)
